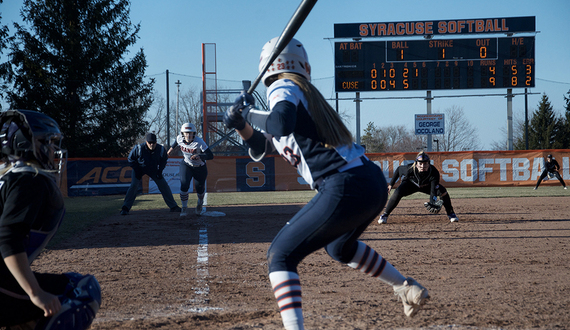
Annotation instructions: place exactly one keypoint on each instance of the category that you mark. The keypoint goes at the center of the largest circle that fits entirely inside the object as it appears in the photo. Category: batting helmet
(293, 58)
(188, 128)
(30, 135)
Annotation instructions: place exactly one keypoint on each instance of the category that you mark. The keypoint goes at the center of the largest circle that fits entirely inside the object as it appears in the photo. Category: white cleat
(383, 219)
(453, 217)
(199, 206)
(184, 212)
(413, 296)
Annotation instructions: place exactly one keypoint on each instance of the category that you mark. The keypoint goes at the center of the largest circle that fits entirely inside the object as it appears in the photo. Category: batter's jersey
(303, 148)
(196, 147)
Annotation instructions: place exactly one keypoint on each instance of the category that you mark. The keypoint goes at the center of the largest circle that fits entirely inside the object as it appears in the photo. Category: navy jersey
(146, 161)
(551, 166)
(411, 174)
(293, 134)
(32, 209)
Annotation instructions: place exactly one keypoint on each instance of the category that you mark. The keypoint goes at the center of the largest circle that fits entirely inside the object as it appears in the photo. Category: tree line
(69, 61)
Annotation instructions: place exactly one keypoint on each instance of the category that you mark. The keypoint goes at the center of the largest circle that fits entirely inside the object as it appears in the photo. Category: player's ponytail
(330, 126)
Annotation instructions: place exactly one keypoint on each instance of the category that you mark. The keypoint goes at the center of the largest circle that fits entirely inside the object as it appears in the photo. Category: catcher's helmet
(422, 157)
(30, 135)
(293, 58)
(188, 128)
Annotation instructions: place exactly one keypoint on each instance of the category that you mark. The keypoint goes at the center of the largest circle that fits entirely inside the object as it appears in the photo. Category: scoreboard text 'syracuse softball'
(432, 64)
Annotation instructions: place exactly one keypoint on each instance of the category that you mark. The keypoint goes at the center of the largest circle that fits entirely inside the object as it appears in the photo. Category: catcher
(31, 211)
(419, 176)
(551, 168)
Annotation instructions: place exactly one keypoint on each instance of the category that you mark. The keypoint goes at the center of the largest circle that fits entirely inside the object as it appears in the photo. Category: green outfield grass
(83, 212)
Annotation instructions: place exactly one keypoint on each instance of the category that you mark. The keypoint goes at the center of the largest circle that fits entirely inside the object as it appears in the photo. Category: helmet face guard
(29, 135)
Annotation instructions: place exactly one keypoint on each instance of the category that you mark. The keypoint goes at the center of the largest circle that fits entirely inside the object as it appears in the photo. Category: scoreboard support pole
(510, 118)
(428, 104)
(357, 100)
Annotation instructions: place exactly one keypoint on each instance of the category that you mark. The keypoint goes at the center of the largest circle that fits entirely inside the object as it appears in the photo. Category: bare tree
(518, 133)
(392, 139)
(459, 135)
(190, 109)
(402, 139)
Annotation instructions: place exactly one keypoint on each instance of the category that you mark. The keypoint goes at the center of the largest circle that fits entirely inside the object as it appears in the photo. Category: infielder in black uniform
(195, 152)
(551, 168)
(419, 176)
(148, 158)
(304, 129)
(31, 210)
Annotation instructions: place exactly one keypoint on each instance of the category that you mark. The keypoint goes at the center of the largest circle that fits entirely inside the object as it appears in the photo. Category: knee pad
(79, 304)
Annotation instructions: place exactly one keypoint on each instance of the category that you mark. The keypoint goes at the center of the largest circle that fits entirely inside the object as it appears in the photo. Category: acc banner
(91, 177)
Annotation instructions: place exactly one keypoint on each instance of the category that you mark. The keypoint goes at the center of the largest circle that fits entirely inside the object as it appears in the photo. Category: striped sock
(287, 290)
(184, 198)
(370, 262)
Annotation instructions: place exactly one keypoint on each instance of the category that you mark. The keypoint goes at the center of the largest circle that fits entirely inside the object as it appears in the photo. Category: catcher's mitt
(434, 207)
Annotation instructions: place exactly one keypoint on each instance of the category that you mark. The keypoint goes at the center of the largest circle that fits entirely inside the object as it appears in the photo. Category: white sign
(430, 124)
(171, 175)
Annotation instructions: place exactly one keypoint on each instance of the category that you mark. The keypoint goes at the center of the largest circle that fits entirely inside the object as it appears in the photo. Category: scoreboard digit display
(430, 64)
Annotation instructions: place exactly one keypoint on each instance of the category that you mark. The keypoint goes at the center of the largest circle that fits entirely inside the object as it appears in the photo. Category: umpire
(551, 168)
(148, 158)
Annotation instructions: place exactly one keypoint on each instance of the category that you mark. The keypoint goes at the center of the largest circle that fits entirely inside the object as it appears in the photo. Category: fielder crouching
(419, 176)
(31, 210)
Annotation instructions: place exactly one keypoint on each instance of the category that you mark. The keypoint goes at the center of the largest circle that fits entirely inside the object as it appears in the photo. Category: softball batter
(303, 128)
(195, 152)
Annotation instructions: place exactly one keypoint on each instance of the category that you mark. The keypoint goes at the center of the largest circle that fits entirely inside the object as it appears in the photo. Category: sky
(173, 31)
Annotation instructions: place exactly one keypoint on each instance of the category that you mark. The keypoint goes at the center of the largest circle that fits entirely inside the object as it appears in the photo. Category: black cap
(549, 156)
(151, 137)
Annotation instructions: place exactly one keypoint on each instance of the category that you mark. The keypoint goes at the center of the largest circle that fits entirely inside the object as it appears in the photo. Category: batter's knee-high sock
(184, 198)
(370, 262)
(287, 290)
(201, 196)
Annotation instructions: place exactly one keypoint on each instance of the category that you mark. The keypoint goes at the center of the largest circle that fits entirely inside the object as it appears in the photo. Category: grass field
(83, 212)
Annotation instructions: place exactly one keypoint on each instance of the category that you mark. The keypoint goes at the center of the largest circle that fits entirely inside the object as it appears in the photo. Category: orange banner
(482, 168)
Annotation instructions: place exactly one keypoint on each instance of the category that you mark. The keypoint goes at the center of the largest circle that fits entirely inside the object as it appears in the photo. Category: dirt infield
(504, 265)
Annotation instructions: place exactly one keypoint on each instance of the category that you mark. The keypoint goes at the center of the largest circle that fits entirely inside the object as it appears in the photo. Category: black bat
(288, 33)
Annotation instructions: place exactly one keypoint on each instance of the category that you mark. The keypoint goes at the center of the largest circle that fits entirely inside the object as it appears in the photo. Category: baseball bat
(288, 33)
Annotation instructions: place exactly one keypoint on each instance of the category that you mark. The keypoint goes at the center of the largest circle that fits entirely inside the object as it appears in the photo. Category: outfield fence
(110, 176)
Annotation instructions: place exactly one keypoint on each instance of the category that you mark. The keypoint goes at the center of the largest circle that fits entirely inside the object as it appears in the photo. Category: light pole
(177, 101)
(436, 143)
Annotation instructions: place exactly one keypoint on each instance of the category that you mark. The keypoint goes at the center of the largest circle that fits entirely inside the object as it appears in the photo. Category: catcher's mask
(30, 135)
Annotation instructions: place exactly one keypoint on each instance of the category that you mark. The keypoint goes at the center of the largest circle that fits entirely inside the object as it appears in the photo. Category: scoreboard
(432, 64)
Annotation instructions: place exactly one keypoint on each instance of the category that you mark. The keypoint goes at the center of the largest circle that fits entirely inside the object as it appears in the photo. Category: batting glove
(245, 100)
(233, 118)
